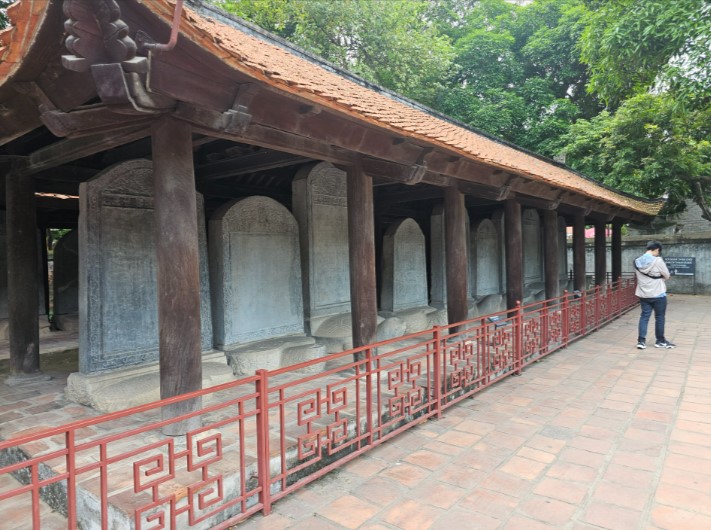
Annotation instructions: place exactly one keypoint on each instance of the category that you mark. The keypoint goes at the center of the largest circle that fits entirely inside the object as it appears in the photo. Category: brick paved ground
(600, 435)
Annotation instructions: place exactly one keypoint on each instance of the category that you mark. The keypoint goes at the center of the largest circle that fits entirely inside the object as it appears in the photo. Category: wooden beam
(178, 279)
(251, 163)
(72, 149)
(579, 282)
(550, 253)
(616, 250)
(455, 235)
(23, 274)
(513, 231)
(361, 249)
(600, 253)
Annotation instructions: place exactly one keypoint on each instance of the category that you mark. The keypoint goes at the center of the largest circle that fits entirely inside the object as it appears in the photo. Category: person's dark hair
(654, 245)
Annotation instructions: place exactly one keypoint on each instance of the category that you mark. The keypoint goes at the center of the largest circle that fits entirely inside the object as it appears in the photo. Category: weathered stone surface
(319, 202)
(498, 219)
(390, 328)
(255, 271)
(438, 269)
(487, 258)
(66, 282)
(404, 267)
(136, 385)
(532, 270)
(273, 353)
(117, 270)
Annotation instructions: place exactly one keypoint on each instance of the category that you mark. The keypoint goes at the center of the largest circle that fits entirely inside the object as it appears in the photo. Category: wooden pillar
(361, 250)
(457, 263)
(600, 253)
(579, 252)
(616, 250)
(514, 252)
(22, 274)
(550, 251)
(176, 240)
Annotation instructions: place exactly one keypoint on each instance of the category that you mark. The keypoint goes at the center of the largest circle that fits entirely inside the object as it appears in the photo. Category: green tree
(647, 148)
(389, 42)
(3, 13)
(634, 46)
(517, 74)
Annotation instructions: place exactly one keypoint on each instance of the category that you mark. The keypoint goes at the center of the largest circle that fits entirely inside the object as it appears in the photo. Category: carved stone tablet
(438, 265)
(118, 308)
(319, 201)
(66, 275)
(404, 267)
(255, 271)
(532, 270)
(487, 261)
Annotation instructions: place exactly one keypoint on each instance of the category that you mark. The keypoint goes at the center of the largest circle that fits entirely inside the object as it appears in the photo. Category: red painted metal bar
(265, 436)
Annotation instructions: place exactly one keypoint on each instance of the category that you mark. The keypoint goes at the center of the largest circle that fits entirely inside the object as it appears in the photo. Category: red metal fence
(258, 439)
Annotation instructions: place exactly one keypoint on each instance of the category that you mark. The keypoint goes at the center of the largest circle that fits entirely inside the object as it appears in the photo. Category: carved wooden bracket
(553, 205)
(99, 42)
(417, 171)
(97, 35)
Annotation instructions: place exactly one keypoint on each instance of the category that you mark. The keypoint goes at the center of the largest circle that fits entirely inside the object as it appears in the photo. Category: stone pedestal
(136, 385)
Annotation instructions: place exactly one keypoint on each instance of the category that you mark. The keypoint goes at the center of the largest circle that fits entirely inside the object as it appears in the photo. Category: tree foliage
(538, 75)
(3, 13)
(632, 46)
(647, 148)
(388, 42)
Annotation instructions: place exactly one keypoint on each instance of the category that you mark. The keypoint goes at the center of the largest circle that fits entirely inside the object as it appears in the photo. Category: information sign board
(680, 266)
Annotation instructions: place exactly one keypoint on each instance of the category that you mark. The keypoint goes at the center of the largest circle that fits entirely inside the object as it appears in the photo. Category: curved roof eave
(26, 18)
(319, 83)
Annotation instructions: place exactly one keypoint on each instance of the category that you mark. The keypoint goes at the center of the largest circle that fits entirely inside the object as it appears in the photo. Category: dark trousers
(659, 306)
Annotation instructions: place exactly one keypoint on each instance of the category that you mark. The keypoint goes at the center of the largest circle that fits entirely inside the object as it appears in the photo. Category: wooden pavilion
(231, 111)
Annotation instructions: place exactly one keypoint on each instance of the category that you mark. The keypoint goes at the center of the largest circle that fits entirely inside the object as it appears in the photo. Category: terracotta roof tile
(25, 19)
(292, 73)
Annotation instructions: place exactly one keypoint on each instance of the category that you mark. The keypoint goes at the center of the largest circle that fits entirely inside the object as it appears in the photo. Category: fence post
(70, 441)
(263, 467)
(544, 328)
(584, 313)
(369, 394)
(437, 360)
(566, 316)
(598, 309)
(518, 338)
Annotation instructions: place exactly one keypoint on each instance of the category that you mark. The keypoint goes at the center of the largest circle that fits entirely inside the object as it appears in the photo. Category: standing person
(652, 273)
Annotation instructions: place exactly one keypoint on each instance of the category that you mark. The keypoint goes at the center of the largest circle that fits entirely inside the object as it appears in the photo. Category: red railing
(260, 438)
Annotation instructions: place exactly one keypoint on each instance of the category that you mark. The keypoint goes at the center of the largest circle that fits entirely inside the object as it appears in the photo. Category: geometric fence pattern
(266, 435)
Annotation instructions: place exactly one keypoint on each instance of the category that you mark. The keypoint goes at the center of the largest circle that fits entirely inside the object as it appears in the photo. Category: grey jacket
(652, 274)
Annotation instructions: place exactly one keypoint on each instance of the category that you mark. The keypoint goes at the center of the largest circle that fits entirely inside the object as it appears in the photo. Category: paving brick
(624, 496)
(493, 503)
(524, 468)
(564, 490)
(612, 517)
(460, 518)
(406, 474)
(349, 511)
(672, 518)
(547, 510)
(411, 515)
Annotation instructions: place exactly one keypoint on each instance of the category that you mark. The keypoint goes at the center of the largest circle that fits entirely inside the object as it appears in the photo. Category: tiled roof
(292, 73)
(25, 19)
